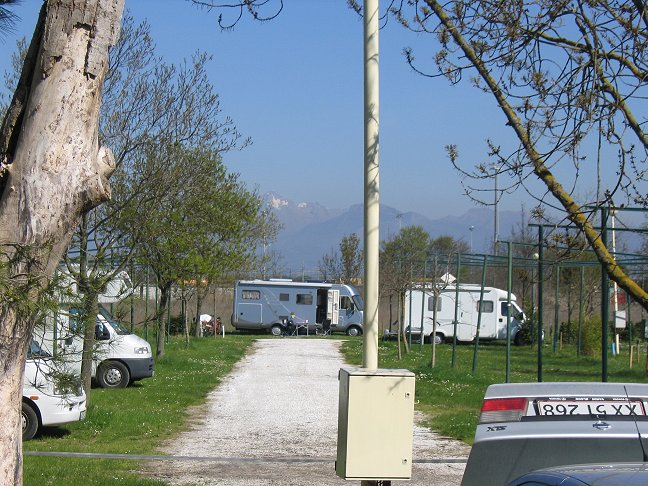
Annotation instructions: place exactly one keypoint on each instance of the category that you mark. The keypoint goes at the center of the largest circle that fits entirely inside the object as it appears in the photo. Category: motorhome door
(333, 307)
(467, 328)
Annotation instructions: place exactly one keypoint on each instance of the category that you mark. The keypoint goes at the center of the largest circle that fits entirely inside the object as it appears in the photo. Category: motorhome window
(345, 302)
(486, 306)
(432, 301)
(251, 295)
(359, 303)
(505, 308)
(35, 351)
(305, 299)
(284, 297)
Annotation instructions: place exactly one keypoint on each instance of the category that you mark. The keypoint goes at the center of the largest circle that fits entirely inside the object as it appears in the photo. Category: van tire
(519, 340)
(438, 338)
(113, 374)
(29, 421)
(353, 331)
(276, 330)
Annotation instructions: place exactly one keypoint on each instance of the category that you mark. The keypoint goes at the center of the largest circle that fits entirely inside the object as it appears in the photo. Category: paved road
(273, 421)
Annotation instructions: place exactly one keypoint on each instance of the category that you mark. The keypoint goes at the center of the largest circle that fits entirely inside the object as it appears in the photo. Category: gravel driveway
(273, 421)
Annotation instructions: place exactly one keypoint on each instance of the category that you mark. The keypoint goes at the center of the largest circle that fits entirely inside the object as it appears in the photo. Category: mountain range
(311, 230)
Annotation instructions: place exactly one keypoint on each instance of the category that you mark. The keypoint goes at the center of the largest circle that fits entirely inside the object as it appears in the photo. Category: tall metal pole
(496, 222)
(371, 184)
(605, 301)
(456, 313)
(540, 298)
(581, 306)
(509, 284)
(422, 336)
(371, 189)
(556, 309)
(480, 308)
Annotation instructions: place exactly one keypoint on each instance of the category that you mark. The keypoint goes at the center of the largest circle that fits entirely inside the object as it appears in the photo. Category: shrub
(591, 338)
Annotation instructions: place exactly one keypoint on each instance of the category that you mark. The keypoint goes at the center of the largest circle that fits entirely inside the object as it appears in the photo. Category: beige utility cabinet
(375, 424)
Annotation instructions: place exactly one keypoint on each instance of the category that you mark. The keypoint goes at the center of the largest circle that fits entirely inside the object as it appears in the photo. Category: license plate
(590, 407)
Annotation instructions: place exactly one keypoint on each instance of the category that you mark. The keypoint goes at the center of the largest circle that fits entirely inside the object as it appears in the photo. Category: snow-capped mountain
(311, 230)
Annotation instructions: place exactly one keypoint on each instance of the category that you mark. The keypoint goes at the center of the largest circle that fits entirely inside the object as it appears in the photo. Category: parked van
(45, 404)
(120, 357)
(494, 307)
(274, 304)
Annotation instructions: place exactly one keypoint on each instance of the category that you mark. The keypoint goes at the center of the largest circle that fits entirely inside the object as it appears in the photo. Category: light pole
(471, 228)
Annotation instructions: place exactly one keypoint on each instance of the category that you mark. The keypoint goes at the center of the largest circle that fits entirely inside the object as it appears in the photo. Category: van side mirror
(68, 340)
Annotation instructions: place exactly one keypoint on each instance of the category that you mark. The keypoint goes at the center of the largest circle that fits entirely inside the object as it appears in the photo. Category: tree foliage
(202, 224)
(570, 78)
(345, 263)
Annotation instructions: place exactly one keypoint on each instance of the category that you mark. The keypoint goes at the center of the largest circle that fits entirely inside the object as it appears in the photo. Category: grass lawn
(138, 419)
(134, 420)
(452, 397)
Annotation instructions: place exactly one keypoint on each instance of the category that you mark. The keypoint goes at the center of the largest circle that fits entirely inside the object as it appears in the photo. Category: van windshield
(359, 303)
(517, 312)
(35, 351)
(119, 328)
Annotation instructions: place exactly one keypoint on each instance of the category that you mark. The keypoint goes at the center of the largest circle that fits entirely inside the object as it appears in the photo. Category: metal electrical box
(375, 424)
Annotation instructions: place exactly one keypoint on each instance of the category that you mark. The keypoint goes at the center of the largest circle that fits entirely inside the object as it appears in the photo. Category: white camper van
(44, 404)
(420, 304)
(120, 357)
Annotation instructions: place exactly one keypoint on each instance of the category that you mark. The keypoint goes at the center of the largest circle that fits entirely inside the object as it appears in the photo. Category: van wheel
(438, 339)
(29, 422)
(113, 374)
(354, 331)
(276, 330)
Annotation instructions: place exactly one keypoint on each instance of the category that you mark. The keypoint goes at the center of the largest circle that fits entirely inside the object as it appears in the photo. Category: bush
(591, 339)
(176, 326)
(527, 333)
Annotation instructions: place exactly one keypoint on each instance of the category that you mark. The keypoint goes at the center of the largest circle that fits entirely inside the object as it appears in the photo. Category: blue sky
(294, 85)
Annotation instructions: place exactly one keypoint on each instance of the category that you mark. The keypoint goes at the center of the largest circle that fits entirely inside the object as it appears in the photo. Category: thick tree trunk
(51, 171)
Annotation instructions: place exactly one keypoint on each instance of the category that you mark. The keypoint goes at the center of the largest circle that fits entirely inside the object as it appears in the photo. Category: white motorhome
(120, 357)
(494, 307)
(45, 404)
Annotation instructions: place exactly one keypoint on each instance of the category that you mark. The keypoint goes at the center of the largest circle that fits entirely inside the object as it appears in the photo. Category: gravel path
(273, 421)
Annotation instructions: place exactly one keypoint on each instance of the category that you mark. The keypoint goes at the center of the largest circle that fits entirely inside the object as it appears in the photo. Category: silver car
(528, 426)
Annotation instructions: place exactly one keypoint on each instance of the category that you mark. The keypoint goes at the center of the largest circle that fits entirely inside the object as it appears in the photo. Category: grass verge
(451, 397)
(134, 420)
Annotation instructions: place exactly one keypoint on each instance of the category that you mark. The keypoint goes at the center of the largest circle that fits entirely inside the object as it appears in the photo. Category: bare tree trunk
(51, 171)
(401, 316)
(200, 296)
(165, 293)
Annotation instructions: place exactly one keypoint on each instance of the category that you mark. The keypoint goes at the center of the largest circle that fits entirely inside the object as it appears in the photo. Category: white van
(120, 357)
(44, 404)
(494, 308)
